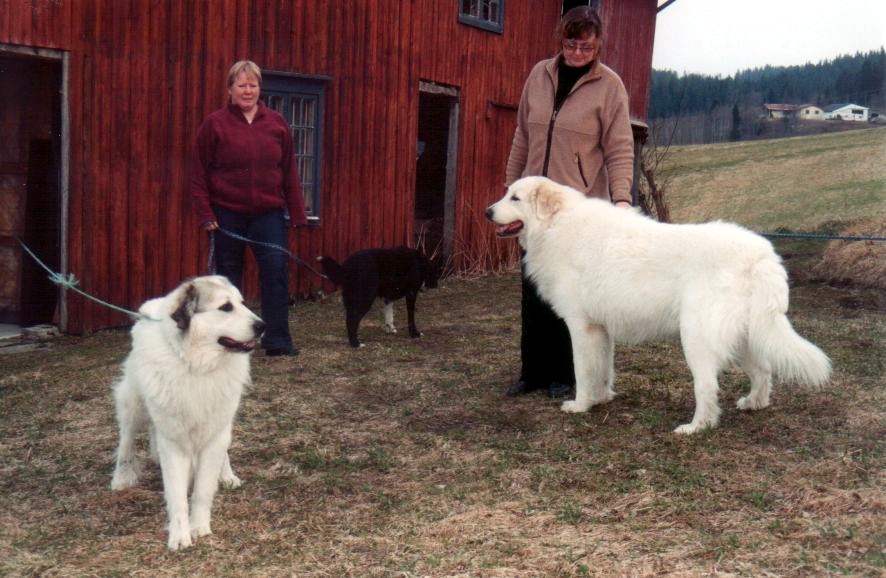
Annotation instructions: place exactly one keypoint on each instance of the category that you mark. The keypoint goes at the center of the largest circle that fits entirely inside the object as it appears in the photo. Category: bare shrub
(859, 263)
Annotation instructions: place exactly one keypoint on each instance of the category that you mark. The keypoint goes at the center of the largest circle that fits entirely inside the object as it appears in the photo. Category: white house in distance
(798, 111)
(846, 112)
(809, 112)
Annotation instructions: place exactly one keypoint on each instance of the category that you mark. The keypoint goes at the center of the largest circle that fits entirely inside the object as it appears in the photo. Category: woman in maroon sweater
(245, 181)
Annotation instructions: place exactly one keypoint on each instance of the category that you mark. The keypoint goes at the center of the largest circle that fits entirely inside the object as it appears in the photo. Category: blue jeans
(273, 266)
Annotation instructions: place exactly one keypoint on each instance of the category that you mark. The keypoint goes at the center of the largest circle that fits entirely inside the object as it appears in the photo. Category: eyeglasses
(574, 46)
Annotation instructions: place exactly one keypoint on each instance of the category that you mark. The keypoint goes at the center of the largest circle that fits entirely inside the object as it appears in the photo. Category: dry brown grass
(861, 263)
(404, 459)
(804, 183)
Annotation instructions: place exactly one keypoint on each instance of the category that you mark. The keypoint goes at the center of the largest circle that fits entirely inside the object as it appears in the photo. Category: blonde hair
(247, 66)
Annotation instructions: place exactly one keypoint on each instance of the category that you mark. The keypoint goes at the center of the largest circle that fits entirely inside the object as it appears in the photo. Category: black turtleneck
(567, 76)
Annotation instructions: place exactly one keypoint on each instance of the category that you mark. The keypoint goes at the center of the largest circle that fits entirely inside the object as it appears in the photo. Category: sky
(722, 37)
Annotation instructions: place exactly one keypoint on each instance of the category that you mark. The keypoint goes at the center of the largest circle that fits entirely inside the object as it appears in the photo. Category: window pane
(276, 102)
(303, 122)
(486, 14)
(299, 101)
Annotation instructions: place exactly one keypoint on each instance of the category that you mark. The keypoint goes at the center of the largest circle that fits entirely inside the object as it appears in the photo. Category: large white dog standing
(615, 275)
(183, 380)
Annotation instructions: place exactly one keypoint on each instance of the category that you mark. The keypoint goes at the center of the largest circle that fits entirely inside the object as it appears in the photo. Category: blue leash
(70, 282)
(821, 237)
(234, 235)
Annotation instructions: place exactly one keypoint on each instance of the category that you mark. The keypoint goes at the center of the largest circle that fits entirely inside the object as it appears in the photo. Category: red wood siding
(629, 29)
(144, 73)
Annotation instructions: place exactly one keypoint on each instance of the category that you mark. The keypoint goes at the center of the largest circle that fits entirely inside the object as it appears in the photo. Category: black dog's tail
(332, 269)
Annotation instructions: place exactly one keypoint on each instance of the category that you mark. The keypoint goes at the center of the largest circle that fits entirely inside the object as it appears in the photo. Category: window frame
(475, 20)
(291, 87)
(569, 5)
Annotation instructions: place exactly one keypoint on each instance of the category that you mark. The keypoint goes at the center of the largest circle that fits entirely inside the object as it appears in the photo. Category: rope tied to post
(70, 282)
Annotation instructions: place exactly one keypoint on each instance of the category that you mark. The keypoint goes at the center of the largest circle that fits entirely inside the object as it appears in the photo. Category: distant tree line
(694, 108)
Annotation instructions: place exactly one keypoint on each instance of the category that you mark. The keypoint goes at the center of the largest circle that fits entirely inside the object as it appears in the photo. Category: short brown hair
(246, 66)
(578, 23)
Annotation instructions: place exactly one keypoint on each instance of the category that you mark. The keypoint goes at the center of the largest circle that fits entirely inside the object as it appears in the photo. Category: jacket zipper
(544, 170)
(581, 170)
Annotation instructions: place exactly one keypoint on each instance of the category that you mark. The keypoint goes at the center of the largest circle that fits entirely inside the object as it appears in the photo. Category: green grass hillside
(800, 184)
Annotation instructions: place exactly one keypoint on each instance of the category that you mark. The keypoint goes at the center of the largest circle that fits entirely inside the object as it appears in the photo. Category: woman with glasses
(573, 126)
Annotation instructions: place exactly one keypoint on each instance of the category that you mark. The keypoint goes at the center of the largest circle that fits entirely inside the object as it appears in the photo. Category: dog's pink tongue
(508, 229)
(245, 346)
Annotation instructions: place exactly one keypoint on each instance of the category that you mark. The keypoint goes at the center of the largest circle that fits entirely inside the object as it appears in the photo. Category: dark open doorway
(30, 191)
(435, 170)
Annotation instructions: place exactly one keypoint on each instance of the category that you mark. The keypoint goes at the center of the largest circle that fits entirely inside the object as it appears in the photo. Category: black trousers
(545, 346)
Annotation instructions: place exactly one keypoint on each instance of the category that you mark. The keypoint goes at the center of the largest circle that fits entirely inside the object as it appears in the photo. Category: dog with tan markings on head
(182, 381)
(615, 275)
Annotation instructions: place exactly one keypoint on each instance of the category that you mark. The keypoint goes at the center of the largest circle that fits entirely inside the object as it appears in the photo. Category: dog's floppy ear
(547, 201)
(186, 307)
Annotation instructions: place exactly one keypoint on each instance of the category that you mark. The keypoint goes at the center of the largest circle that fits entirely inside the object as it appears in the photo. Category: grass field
(802, 184)
(404, 458)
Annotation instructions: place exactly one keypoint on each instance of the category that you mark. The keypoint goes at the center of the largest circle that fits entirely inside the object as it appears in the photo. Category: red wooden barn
(403, 112)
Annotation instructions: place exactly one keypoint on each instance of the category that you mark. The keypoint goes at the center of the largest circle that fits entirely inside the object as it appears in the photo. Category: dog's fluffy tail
(771, 336)
(332, 269)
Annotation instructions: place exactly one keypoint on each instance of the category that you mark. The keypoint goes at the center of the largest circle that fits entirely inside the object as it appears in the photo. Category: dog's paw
(201, 530)
(124, 477)
(179, 540)
(573, 406)
(230, 482)
(748, 402)
(389, 328)
(692, 427)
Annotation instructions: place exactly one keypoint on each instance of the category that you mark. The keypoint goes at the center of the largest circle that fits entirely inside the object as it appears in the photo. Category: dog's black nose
(259, 328)
(489, 213)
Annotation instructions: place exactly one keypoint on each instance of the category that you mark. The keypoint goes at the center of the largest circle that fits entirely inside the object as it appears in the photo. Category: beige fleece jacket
(592, 146)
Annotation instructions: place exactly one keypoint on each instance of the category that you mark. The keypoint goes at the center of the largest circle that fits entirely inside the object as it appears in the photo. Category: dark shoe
(519, 387)
(556, 390)
(278, 352)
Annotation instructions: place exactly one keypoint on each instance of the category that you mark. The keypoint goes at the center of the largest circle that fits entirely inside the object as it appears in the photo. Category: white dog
(183, 379)
(615, 275)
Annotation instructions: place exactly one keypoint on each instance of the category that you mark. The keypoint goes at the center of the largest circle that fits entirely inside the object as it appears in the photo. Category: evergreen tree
(735, 133)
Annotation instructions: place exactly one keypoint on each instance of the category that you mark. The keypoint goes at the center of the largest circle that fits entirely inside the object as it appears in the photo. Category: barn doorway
(30, 184)
(436, 154)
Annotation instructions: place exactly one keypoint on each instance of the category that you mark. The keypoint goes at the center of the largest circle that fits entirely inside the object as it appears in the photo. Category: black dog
(387, 273)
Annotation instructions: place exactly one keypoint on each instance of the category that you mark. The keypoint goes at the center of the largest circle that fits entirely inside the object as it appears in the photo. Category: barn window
(485, 14)
(570, 4)
(300, 100)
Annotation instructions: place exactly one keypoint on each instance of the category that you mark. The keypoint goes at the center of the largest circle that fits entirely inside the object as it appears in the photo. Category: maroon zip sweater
(245, 168)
